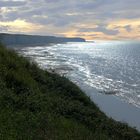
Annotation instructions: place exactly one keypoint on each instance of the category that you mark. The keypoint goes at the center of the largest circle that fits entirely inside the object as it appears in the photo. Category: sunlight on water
(112, 67)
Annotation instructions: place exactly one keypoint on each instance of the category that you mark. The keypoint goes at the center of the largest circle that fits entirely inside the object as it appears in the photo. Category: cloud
(10, 3)
(102, 29)
(4, 28)
(99, 18)
(19, 26)
(128, 28)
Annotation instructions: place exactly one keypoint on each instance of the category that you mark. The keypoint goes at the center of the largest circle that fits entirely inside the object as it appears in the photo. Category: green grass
(38, 105)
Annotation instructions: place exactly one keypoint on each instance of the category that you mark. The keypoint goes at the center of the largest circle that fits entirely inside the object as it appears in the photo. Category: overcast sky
(90, 19)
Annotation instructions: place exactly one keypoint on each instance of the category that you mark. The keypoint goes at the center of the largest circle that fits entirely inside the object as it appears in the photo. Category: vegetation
(38, 105)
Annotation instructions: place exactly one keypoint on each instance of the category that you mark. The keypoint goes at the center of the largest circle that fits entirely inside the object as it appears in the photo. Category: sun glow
(20, 26)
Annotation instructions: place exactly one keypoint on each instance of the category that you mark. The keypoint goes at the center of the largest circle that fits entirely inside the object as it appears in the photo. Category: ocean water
(111, 67)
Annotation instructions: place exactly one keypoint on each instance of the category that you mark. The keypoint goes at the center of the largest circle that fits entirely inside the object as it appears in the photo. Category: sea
(111, 68)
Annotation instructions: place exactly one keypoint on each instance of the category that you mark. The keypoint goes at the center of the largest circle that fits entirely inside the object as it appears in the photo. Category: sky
(89, 19)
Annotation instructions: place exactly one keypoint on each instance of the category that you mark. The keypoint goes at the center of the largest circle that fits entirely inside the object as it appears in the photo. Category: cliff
(17, 39)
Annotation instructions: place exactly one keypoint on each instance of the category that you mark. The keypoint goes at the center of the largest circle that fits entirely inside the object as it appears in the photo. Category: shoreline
(36, 104)
(110, 104)
(114, 107)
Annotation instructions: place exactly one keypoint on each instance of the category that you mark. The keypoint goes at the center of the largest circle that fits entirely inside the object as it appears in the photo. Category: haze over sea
(110, 67)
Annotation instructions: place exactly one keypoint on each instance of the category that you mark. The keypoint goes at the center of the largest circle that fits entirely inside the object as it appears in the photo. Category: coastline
(36, 104)
(110, 104)
(114, 107)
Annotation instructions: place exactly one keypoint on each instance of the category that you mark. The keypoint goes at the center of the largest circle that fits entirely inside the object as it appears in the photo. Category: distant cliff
(17, 39)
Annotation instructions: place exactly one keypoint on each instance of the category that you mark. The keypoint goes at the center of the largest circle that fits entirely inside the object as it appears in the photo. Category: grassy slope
(37, 105)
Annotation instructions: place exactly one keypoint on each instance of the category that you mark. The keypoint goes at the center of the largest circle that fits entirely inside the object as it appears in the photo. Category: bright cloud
(20, 26)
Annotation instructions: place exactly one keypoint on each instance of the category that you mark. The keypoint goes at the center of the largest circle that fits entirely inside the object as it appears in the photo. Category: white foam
(92, 65)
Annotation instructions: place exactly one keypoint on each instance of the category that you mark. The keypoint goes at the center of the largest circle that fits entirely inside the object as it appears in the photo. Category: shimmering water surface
(112, 67)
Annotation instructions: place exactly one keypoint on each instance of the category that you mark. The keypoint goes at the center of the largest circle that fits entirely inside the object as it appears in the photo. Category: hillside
(18, 39)
(38, 105)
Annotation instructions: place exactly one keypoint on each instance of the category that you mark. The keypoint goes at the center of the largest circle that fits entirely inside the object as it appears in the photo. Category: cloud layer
(91, 19)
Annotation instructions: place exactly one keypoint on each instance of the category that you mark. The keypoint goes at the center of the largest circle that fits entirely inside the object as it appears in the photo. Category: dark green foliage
(37, 105)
